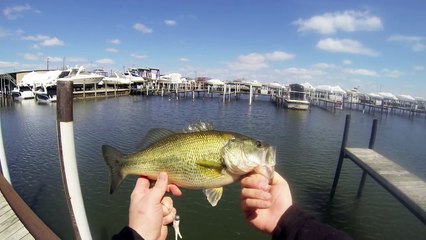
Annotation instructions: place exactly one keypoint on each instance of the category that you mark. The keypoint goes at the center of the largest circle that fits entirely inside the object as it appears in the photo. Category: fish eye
(259, 144)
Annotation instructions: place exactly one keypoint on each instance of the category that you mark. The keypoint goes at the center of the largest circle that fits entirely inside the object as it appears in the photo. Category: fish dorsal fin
(210, 164)
(213, 195)
(156, 134)
(198, 127)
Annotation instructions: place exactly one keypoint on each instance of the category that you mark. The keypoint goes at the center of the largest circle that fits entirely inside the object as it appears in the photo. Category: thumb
(160, 186)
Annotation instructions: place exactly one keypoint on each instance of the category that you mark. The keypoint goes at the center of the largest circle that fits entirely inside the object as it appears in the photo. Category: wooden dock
(17, 220)
(407, 188)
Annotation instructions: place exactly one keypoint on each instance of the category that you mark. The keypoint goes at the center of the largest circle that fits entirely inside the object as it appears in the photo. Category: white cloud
(44, 40)
(52, 42)
(362, 72)
(278, 55)
(4, 64)
(184, 59)
(419, 68)
(346, 62)
(4, 32)
(252, 61)
(344, 46)
(32, 57)
(418, 47)
(14, 12)
(294, 74)
(256, 61)
(115, 41)
(347, 21)
(105, 61)
(142, 28)
(415, 42)
(133, 55)
(404, 38)
(170, 22)
(112, 50)
(392, 73)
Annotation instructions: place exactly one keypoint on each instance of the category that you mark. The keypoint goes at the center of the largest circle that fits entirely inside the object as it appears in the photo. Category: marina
(307, 147)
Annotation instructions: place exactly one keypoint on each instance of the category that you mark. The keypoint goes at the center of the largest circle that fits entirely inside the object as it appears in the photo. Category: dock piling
(370, 146)
(68, 161)
(341, 155)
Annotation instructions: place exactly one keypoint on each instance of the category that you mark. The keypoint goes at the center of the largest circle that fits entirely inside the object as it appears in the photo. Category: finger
(251, 203)
(167, 203)
(168, 219)
(174, 190)
(141, 186)
(160, 187)
(255, 180)
(255, 194)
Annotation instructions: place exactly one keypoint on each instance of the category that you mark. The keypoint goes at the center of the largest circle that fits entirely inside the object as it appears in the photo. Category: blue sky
(378, 46)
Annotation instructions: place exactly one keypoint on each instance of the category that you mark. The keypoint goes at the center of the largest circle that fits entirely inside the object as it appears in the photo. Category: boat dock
(407, 188)
(17, 220)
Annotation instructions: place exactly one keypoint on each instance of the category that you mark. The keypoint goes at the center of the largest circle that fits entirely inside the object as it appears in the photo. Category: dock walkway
(17, 220)
(406, 187)
(10, 226)
(409, 189)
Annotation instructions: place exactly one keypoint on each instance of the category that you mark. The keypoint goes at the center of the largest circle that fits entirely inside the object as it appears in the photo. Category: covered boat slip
(406, 187)
(17, 220)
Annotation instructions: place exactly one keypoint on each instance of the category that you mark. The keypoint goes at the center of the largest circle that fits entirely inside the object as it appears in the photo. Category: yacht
(22, 92)
(116, 78)
(45, 94)
(80, 76)
(133, 76)
(296, 97)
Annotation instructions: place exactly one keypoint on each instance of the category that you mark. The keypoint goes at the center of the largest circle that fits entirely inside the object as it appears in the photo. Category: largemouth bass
(197, 158)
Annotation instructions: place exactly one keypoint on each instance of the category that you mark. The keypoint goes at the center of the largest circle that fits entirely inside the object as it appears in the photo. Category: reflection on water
(307, 150)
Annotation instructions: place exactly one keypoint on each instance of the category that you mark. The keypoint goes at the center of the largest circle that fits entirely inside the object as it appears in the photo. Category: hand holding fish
(150, 212)
(263, 203)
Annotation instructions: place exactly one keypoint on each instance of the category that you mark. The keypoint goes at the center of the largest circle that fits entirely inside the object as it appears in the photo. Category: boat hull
(296, 104)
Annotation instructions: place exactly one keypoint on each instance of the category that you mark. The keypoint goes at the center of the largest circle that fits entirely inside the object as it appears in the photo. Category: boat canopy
(407, 98)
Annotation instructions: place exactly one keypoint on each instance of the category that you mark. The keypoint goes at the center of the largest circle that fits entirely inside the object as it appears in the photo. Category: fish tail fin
(113, 159)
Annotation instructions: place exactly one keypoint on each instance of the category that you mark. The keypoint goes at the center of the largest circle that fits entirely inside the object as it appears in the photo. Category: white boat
(133, 76)
(22, 92)
(80, 76)
(116, 78)
(215, 82)
(296, 97)
(45, 94)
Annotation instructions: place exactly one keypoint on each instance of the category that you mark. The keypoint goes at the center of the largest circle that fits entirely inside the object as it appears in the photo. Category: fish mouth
(268, 167)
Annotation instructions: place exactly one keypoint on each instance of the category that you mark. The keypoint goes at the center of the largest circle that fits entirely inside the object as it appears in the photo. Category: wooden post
(3, 160)
(370, 146)
(68, 162)
(341, 155)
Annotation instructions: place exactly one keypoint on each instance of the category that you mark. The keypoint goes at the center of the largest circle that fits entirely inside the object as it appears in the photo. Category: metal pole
(251, 94)
(67, 158)
(341, 155)
(370, 146)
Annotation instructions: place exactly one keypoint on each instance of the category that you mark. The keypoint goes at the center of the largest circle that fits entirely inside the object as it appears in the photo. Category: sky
(377, 46)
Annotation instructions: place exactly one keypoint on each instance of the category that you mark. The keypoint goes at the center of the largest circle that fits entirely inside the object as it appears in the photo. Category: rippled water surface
(307, 144)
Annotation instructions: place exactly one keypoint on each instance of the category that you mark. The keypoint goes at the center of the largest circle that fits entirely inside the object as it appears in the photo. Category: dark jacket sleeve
(295, 224)
(127, 233)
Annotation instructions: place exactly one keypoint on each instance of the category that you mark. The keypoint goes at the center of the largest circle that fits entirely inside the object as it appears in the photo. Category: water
(307, 144)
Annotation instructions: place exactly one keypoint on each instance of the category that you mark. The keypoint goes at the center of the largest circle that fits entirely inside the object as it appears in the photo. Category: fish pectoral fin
(213, 195)
(210, 164)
